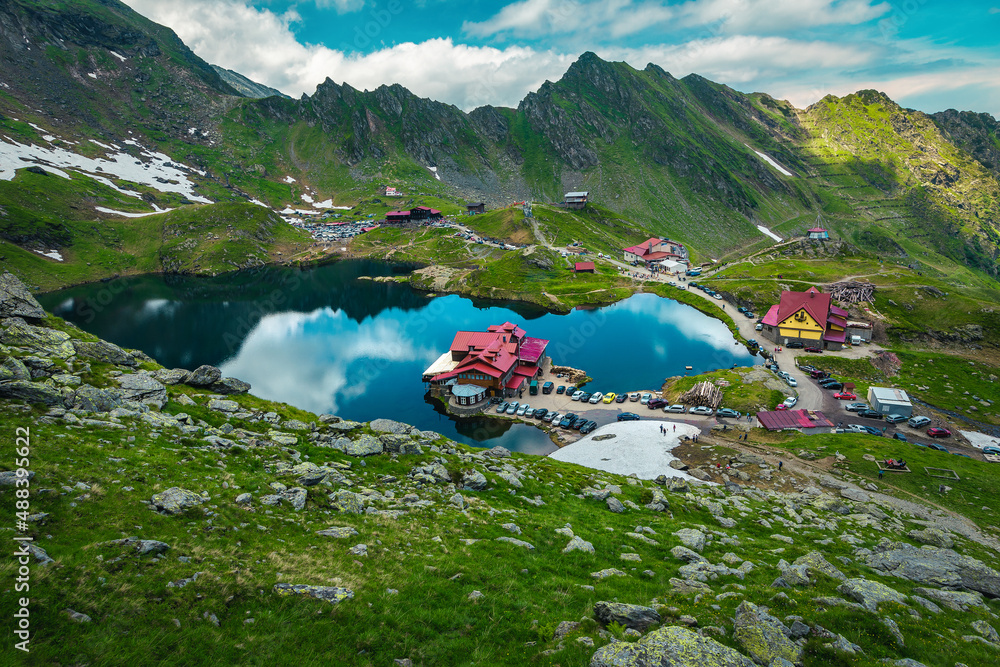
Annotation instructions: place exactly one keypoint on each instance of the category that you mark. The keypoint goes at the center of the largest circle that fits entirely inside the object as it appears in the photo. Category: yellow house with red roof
(807, 317)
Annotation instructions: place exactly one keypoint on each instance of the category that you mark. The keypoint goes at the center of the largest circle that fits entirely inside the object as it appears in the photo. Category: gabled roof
(583, 266)
(397, 213)
(812, 300)
(771, 319)
(778, 419)
(816, 230)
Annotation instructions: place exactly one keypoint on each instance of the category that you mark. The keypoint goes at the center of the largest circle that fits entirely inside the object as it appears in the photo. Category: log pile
(851, 291)
(703, 393)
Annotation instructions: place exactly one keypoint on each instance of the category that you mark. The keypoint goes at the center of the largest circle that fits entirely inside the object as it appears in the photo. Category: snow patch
(91, 75)
(51, 254)
(767, 232)
(434, 170)
(292, 211)
(767, 158)
(119, 56)
(126, 214)
(259, 203)
(980, 440)
(306, 198)
(289, 179)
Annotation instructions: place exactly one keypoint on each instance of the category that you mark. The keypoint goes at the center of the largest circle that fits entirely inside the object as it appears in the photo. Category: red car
(781, 406)
(938, 432)
(817, 350)
(845, 396)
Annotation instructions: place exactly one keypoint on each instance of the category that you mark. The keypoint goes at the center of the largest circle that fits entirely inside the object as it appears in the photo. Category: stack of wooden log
(852, 291)
(703, 393)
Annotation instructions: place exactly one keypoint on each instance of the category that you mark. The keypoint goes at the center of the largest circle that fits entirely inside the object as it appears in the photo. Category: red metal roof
(812, 300)
(835, 336)
(529, 371)
(839, 312)
(771, 319)
(838, 321)
(532, 349)
(396, 214)
(583, 266)
(514, 382)
(816, 229)
(775, 420)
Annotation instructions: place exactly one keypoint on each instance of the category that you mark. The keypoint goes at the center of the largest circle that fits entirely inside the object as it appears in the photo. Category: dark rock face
(627, 615)
(938, 567)
(31, 392)
(204, 376)
(108, 353)
(16, 300)
(230, 386)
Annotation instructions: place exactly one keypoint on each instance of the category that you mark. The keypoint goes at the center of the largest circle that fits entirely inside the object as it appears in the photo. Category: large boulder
(815, 563)
(32, 392)
(13, 369)
(332, 594)
(365, 445)
(172, 376)
(204, 376)
(105, 352)
(142, 388)
(347, 502)
(763, 636)
(670, 646)
(473, 480)
(176, 500)
(390, 426)
(40, 340)
(627, 615)
(230, 386)
(944, 568)
(16, 300)
(869, 594)
(93, 399)
(691, 538)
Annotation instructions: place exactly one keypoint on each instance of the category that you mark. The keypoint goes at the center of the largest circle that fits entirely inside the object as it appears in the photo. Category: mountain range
(686, 158)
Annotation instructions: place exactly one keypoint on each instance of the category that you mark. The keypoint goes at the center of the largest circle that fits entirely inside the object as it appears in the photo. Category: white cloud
(547, 17)
(341, 6)
(771, 16)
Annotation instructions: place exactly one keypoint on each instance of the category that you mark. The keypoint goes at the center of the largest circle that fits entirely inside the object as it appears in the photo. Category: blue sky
(925, 54)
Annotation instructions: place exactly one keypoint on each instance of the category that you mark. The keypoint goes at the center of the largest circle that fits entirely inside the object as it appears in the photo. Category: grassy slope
(241, 553)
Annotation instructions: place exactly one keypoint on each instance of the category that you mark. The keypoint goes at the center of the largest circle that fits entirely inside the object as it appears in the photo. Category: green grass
(739, 395)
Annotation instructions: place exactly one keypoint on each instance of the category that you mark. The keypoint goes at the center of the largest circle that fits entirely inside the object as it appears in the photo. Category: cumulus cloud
(547, 17)
(774, 16)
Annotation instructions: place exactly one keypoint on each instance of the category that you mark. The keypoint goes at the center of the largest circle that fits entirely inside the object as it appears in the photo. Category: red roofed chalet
(654, 250)
(501, 359)
(807, 317)
(583, 267)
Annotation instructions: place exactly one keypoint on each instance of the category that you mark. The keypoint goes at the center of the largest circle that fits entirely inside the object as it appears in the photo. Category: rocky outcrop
(627, 615)
(16, 300)
(332, 594)
(104, 352)
(142, 388)
(670, 646)
(204, 376)
(763, 636)
(38, 340)
(929, 565)
(870, 594)
(175, 500)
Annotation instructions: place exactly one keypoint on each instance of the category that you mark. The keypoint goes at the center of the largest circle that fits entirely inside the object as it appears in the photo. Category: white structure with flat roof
(890, 401)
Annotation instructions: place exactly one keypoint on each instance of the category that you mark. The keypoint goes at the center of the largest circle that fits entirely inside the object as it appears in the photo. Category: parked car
(750, 314)
(918, 421)
(576, 396)
(817, 374)
(621, 398)
(795, 345)
(610, 397)
(899, 436)
(854, 407)
(817, 350)
(870, 414)
(759, 327)
(567, 420)
(895, 419)
(791, 382)
(634, 396)
(845, 396)
(781, 406)
(834, 386)
(552, 418)
(502, 407)
(676, 407)
(826, 380)
(585, 397)
(521, 409)
(628, 417)
(596, 398)
(936, 432)
(700, 410)
(857, 428)
(588, 427)
(644, 398)
(578, 422)
(934, 445)
(873, 431)
(727, 412)
(753, 343)
(741, 309)
(990, 449)
(561, 389)
(790, 402)
(806, 368)
(656, 403)
(716, 295)
(512, 408)
(919, 444)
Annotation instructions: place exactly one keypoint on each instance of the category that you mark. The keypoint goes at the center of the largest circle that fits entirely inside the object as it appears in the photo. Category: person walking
(675, 428)
(781, 464)
(880, 473)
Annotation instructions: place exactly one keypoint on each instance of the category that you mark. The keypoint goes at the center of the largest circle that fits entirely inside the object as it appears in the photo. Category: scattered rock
(104, 352)
(870, 593)
(627, 615)
(578, 544)
(333, 594)
(204, 376)
(671, 646)
(142, 388)
(762, 636)
(77, 616)
(16, 300)
(176, 500)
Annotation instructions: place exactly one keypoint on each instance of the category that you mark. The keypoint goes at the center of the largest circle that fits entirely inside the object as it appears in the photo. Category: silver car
(676, 407)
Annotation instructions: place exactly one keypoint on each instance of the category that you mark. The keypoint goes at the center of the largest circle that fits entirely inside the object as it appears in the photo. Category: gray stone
(856, 495)
(389, 426)
(458, 501)
(678, 485)
(365, 445)
(692, 538)
(347, 502)
(16, 300)
(686, 555)
(870, 593)
(204, 376)
(511, 528)
(9, 477)
(332, 594)
(39, 340)
(564, 629)
(176, 500)
(13, 369)
(987, 631)
(244, 499)
(105, 352)
(39, 555)
(615, 505)
(798, 630)
(77, 616)
(172, 376)
(578, 544)
(930, 565)
(32, 392)
(359, 550)
(223, 405)
(894, 631)
(815, 563)
(957, 600)
(473, 480)
(610, 572)
(338, 532)
(626, 615)
(762, 636)
(229, 386)
(847, 646)
(93, 399)
(497, 452)
(933, 536)
(671, 646)
(67, 380)
(142, 388)
(516, 542)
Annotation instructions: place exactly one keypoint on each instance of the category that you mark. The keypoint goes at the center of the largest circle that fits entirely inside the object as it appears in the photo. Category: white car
(790, 402)
(717, 296)
(522, 409)
(759, 327)
(634, 396)
(644, 399)
(597, 397)
(791, 381)
(512, 408)
(576, 395)
(555, 419)
(676, 407)
(917, 422)
(700, 410)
